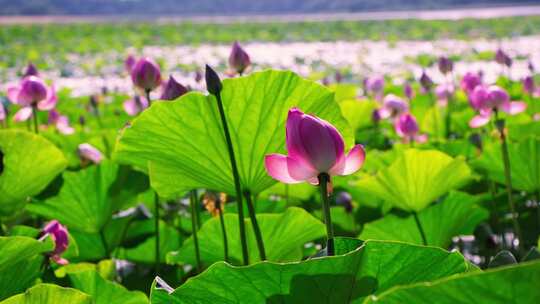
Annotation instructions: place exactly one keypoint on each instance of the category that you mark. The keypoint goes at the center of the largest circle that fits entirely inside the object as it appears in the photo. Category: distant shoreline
(436, 14)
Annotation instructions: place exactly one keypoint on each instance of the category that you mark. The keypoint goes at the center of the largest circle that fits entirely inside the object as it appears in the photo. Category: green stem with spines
(420, 228)
(324, 180)
(156, 230)
(195, 227)
(224, 234)
(255, 224)
(34, 116)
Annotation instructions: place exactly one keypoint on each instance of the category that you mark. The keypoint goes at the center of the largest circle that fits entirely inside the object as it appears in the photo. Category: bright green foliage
(50, 294)
(513, 284)
(183, 143)
(417, 178)
(371, 269)
(84, 201)
(284, 234)
(30, 163)
(524, 163)
(457, 214)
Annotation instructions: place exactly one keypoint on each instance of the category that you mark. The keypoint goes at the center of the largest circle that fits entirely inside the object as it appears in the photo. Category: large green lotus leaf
(417, 178)
(457, 214)
(183, 141)
(102, 291)
(50, 294)
(28, 164)
(84, 202)
(358, 112)
(284, 235)
(513, 284)
(19, 248)
(22, 256)
(371, 269)
(524, 164)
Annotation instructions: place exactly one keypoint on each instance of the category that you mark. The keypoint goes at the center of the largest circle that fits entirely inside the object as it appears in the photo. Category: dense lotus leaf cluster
(268, 187)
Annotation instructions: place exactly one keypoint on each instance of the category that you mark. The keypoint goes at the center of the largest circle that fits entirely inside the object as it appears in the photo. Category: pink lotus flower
(146, 74)
(314, 146)
(444, 92)
(392, 106)
(88, 152)
(238, 59)
(375, 85)
(61, 122)
(59, 235)
(445, 65)
(407, 128)
(487, 100)
(172, 90)
(129, 63)
(135, 105)
(32, 92)
(470, 81)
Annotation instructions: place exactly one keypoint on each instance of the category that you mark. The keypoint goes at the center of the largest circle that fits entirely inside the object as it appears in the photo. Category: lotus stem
(508, 177)
(537, 199)
(448, 121)
(324, 180)
(224, 234)
(34, 116)
(104, 242)
(236, 176)
(493, 191)
(436, 116)
(195, 227)
(156, 228)
(147, 94)
(420, 229)
(255, 224)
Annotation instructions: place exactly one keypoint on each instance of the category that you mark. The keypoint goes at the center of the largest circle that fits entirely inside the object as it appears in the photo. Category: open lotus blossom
(392, 106)
(31, 70)
(407, 128)
(172, 89)
(445, 65)
(314, 147)
(87, 152)
(487, 100)
(238, 59)
(408, 91)
(61, 122)
(135, 105)
(59, 235)
(32, 93)
(146, 74)
(469, 81)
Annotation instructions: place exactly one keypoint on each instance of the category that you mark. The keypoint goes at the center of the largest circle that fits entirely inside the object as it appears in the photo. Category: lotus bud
(30, 70)
(146, 74)
(470, 81)
(88, 152)
(528, 84)
(238, 59)
(344, 199)
(213, 83)
(129, 63)
(408, 91)
(173, 90)
(314, 147)
(426, 82)
(445, 65)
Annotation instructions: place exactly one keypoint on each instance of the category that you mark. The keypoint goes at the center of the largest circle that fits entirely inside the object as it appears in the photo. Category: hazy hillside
(221, 7)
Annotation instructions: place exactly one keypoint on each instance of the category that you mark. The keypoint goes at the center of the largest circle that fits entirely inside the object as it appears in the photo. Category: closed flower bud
(213, 83)
(173, 90)
(445, 65)
(146, 74)
(528, 84)
(426, 82)
(88, 152)
(238, 59)
(59, 234)
(30, 70)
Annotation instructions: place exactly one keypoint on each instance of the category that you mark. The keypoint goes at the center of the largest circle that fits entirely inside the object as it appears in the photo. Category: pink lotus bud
(530, 66)
(478, 98)
(238, 59)
(135, 105)
(344, 199)
(314, 146)
(88, 152)
(445, 65)
(198, 76)
(30, 70)
(426, 82)
(392, 106)
(407, 128)
(61, 122)
(502, 58)
(30, 91)
(375, 85)
(528, 84)
(408, 91)
(173, 90)
(59, 234)
(146, 74)
(129, 63)
(470, 81)
(494, 98)
(375, 116)
(497, 97)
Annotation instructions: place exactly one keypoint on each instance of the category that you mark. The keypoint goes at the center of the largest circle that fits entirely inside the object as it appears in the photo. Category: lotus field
(301, 181)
